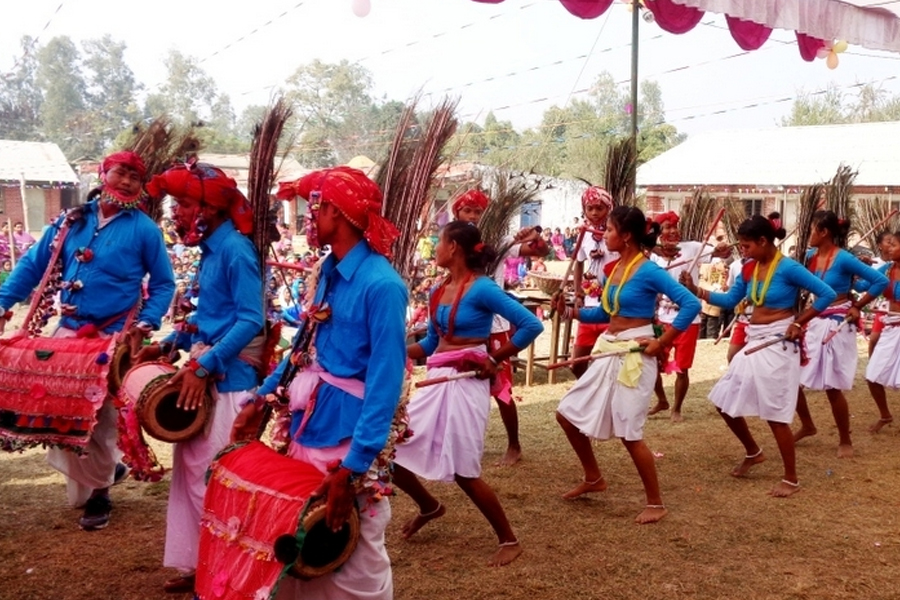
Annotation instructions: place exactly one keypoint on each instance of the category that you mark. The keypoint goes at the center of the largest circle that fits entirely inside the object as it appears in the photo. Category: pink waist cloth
(464, 359)
(305, 382)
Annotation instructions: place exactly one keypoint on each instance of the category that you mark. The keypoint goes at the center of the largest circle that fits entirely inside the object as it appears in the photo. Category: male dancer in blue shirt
(225, 337)
(111, 246)
(354, 379)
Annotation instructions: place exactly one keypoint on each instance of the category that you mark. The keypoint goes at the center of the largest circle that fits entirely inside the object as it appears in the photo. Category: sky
(516, 58)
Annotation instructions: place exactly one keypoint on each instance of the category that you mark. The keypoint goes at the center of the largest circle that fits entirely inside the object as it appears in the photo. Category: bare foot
(803, 432)
(586, 487)
(512, 456)
(660, 406)
(505, 554)
(747, 463)
(676, 417)
(845, 451)
(877, 425)
(651, 514)
(420, 520)
(785, 488)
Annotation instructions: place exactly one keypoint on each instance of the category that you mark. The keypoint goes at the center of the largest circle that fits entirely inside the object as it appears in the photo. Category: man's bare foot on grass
(512, 456)
(747, 463)
(651, 514)
(586, 487)
(676, 417)
(785, 488)
(420, 520)
(505, 554)
(804, 432)
(660, 406)
(880, 423)
(845, 451)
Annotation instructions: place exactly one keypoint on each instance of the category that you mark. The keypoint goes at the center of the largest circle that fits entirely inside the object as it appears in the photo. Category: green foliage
(833, 107)
(20, 98)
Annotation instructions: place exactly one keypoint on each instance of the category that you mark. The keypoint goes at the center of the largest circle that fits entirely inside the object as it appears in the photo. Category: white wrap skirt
(831, 366)
(763, 384)
(884, 364)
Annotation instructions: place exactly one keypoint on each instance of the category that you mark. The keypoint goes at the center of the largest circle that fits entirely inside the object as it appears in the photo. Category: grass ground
(724, 537)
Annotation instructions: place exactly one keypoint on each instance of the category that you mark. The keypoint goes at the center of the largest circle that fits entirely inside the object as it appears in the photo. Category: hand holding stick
(593, 357)
(764, 345)
(835, 331)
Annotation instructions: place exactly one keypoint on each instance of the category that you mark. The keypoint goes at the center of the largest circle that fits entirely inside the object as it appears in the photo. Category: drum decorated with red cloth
(51, 390)
(259, 525)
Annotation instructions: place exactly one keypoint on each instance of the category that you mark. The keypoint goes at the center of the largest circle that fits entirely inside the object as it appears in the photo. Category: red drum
(257, 516)
(144, 387)
(51, 390)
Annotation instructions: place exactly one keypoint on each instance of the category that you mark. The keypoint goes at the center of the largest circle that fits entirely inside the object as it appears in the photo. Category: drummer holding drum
(225, 338)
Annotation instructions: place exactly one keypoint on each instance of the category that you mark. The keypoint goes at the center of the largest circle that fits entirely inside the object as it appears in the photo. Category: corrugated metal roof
(41, 162)
(780, 156)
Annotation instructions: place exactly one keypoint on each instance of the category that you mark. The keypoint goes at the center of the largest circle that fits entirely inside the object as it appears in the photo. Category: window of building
(753, 206)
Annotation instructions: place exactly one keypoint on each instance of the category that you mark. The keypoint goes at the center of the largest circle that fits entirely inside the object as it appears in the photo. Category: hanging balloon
(823, 52)
(840, 46)
(832, 60)
(361, 8)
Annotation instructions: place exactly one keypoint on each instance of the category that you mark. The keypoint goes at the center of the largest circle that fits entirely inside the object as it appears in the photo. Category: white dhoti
(367, 573)
(448, 421)
(763, 384)
(884, 364)
(95, 469)
(831, 366)
(190, 461)
(601, 404)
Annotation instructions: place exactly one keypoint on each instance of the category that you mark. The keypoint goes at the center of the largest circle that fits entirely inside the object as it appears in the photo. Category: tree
(187, 94)
(63, 114)
(111, 89)
(20, 98)
(818, 108)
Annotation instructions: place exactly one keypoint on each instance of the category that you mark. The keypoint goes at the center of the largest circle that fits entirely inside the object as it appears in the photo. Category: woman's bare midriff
(459, 344)
(763, 316)
(841, 298)
(620, 324)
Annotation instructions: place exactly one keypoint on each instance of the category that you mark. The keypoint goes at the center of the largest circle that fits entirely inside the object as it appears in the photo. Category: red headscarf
(596, 195)
(473, 198)
(208, 185)
(667, 217)
(355, 195)
(125, 157)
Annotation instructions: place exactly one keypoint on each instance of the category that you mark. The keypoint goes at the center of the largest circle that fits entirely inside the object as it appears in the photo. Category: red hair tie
(479, 246)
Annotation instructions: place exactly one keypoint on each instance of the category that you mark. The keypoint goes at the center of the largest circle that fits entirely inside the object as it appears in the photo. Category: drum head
(162, 419)
(121, 363)
(324, 550)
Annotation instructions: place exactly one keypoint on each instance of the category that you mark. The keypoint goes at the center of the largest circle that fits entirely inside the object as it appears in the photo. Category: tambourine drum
(155, 403)
(119, 367)
(259, 520)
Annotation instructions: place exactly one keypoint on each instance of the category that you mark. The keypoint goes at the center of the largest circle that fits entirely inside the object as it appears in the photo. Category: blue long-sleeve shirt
(364, 339)
(126, 249)
(229, 308)
(474, 316)
(891, 290)
(842, 271)
(637, 299)
(789, 278)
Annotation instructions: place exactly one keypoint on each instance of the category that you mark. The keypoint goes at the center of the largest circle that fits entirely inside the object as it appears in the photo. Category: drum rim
(146, 406)
(316, 514)
(114, 377)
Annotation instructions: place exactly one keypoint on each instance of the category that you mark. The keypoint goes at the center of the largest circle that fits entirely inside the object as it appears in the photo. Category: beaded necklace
(105, 196)
(754, 282)
(604, 299)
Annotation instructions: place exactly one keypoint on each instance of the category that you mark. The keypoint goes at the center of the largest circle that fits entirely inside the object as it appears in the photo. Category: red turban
(208, 185)
(127, 158)
(474, 198)
(356, 196)
(667, 217)
(596, 195)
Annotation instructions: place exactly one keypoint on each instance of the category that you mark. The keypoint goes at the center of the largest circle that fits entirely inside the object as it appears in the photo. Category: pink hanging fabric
(586, 9)
(672, 17)
(488, 1)
(808, 46)
(747, 34)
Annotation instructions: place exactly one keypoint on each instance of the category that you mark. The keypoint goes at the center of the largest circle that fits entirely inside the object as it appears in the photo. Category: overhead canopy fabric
(873, 24)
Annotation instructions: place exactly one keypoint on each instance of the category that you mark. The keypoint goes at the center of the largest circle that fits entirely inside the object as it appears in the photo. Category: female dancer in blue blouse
(613, 396)
(763, 382)
(833, 356)
(449, 419)
(884, 363)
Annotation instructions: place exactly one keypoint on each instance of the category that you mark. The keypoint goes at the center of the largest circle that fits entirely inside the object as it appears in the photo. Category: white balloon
(361, 8)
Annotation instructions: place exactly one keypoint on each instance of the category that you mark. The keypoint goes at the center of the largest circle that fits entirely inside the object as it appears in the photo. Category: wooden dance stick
(686, 261)
(890, 216)
(709, 234)
(291, 266)
(569, 269)
(764, 345)
(728, 327)
(834, 332)
(446, 378)
(593, 357)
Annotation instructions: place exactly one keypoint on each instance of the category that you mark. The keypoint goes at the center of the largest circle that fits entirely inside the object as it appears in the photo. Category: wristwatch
(198, 370)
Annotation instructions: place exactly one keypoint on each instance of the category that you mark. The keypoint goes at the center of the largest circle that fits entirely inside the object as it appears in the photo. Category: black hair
(630, 219)
(883, 234)
(838, 228)
(759, 226)
(478, 255)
